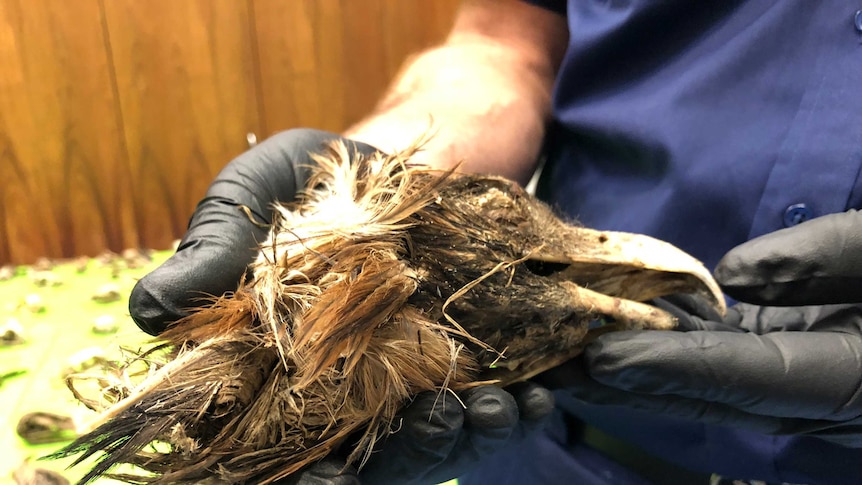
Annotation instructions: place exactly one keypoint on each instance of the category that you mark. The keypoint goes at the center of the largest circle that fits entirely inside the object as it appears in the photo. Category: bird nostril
(544, 268)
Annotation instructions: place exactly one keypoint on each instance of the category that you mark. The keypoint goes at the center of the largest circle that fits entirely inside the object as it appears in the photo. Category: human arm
(484, 94)
(791, 368)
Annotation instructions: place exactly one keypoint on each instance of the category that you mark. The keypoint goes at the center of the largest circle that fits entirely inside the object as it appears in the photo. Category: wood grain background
(116, 114)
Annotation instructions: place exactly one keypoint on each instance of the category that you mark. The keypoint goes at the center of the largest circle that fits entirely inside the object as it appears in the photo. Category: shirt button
(857, 20)
(795, 214)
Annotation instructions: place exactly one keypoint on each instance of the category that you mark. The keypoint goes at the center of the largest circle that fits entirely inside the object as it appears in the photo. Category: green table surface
(53, 337)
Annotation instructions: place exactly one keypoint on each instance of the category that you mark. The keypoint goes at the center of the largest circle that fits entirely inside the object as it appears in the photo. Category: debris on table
(7, 272)
(137, 258)
(39, 334)
(43, 264)
(27, 474)
(45, 278)
(41, 427)
(33, 302)
(84, 360)
(106, 258)
(105, 324)
(81, 264)
(107, 293)
(11, 374)
(12, 332)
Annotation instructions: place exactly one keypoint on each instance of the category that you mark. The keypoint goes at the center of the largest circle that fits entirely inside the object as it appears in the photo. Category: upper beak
(628, 266)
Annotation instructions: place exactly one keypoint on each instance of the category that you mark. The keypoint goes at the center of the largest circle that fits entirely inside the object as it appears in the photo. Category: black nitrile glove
(782, 370)
(221, 240)
(328, 471)
(439, 437)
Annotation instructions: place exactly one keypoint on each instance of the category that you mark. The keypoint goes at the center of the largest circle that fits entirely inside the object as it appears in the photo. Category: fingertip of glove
(147, 308)
(727, 272)
(490, 407)
(158, 299)
(198, 272)
(535, 402)
(434, 413)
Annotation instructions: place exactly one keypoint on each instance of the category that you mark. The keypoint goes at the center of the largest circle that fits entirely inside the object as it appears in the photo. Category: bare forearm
(485, 102)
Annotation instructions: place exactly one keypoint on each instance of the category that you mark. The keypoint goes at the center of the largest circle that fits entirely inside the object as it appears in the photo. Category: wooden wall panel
(186, 86)
(62, 178)
(290, 48)
(115, 115)
(325, 63)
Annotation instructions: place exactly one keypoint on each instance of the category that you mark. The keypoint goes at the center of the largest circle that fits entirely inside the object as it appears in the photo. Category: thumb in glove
(815, 263)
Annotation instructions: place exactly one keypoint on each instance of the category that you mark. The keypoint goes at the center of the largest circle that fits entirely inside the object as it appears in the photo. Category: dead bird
(383, 281)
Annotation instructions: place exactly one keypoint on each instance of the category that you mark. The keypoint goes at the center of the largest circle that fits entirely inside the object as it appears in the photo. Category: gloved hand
(221, 240)
(439, 437)
(782, 369)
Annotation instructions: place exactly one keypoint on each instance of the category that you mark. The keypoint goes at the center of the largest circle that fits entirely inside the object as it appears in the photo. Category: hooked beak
(627, 266)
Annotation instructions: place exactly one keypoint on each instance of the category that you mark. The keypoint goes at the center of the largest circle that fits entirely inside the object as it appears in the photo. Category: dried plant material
(85, 360)
(384, 281)
(9, 375)
(107, 258)
(105, 324)
(12, 332)
(136, 258)
(43, 264)
(7, 272)
(27, 474)
(98, 382)
(81, 264)
(40, 427)
(107, 293)
(33, 303)
(45, 278)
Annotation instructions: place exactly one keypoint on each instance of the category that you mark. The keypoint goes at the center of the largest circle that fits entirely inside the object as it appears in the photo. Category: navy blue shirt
(703, 123)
